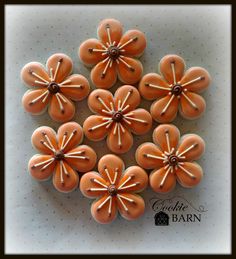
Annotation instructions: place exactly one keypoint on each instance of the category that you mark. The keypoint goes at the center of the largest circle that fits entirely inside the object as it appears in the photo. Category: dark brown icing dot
(113, 52)
(112, 190)
(177, 89)
(173, 160)
(53, 88)
(117, 116)
(59, 155)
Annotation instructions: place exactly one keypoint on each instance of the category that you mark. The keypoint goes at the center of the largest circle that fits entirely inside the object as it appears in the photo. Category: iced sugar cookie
(175, 89)
(113, 54)
(116, 117)
(53, 88)
(61, 156)
(115, 190)
(172, 158)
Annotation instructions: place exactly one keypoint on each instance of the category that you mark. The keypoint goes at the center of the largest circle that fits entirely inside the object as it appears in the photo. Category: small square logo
(161, 219)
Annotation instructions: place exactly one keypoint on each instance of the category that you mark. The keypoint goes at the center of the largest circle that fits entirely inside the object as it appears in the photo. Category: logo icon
(175, 210)
(161, 219)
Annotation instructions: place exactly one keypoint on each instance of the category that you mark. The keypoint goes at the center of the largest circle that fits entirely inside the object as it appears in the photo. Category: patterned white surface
(41, 220)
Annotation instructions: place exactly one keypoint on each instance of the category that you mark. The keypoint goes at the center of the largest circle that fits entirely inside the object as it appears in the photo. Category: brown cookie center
(112, 190)
(53, 88)
(113, 52)
(117, 116)
(177, 89)
(59, 155)
(173, 160)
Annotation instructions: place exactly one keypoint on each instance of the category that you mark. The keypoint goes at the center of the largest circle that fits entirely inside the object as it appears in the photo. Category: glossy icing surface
(62, 156)
(115, 190)
(117, 118)
(113, 54)
(175, 89)
(172, 158)
(53, 88)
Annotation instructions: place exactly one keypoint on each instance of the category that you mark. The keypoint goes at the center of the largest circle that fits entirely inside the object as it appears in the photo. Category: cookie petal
(162, 181)
(109, 30)
(127, 98)
(104, 210)
(36, 101)
(119, 139)
(134, 179)
(129, 70)
(34, 75)
(41, 167)
(95, 128)
(111, 167)
(196, 79)
(133, 42)
(82, 158)
(61, 66)
(44, 140)
(92, 185)
(104, 74)
(149, 156)
(192, 105)
(166, 136)
(189, 174)
(65, 179)
(165, 109)
(101, 101)
(76, 87)
(138, 121)
(130, 206)
(191, 147)
(172, 68)
(61, 110)
(152, 86)
(69, 136)
(90, 52)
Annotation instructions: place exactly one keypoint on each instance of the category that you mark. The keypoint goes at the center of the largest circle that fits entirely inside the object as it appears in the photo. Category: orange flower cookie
(113, 54)
(171, 158)
(175, 87)
(61, 156)
(117, 117)
(114, 190)
(54, 87)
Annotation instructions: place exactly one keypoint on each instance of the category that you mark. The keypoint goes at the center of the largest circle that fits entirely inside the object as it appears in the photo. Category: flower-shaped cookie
(61, 156)
(171, 158)
(174, 87)
(55, 87)
(114, 189)
(117, 117)
(113, 54)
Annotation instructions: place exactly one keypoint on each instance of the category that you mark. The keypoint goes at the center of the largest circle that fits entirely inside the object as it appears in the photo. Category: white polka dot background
(41, 220)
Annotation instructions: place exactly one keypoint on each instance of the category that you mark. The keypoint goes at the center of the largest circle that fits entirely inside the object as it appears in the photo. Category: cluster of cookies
(116, 118)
